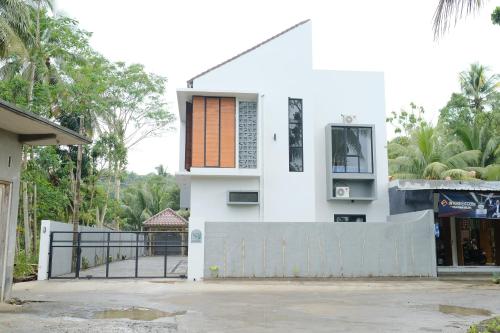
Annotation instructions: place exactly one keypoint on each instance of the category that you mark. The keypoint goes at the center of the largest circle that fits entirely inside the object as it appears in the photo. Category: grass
(25, 266)
(491, 325)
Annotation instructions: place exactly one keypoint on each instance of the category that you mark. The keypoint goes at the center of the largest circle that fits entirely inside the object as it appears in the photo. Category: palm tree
(136, 208)
(427, 157)
(477, 86)
(450, 11)
(14, 27)
(479, 138)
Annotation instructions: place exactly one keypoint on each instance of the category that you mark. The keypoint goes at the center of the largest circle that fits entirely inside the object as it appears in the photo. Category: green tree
(428, 156)
(15, 24)
(478, 86)
(495, 16)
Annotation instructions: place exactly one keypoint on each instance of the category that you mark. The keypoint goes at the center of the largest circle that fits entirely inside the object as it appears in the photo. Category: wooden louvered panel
(198, 151)
(212, 133)
(228, 132)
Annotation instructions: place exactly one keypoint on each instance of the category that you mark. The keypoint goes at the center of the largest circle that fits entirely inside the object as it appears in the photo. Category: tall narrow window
(295, 136)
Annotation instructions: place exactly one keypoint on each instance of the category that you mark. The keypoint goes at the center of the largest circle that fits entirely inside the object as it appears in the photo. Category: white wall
(10, 147)
(350, 93)
(207, 194)
(278, 70)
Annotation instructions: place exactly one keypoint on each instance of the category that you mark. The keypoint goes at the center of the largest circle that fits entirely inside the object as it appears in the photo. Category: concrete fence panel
(403, 246)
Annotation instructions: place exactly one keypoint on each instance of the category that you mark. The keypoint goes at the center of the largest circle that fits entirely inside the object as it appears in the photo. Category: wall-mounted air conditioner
(342, 192)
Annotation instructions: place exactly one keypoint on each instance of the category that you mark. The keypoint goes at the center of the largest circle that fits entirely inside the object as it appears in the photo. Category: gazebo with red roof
(175, 229)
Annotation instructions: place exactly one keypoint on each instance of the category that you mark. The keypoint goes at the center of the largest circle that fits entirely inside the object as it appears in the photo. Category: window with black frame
(295, 135)
(352, 149)
(349, 218)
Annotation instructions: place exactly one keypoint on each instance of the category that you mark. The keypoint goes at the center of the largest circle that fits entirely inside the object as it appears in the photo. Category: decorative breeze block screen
(247, 135)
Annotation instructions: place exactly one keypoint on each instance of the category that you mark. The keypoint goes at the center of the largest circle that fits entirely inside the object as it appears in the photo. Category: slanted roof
(166, 218)
(35, 130)
(456, 185)
(190, 81)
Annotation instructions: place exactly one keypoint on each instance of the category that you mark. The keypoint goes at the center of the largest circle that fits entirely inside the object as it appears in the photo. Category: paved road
(147, 266)
(162, 305)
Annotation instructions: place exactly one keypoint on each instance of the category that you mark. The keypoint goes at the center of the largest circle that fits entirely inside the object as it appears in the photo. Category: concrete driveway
(346, 305)
(147, 267)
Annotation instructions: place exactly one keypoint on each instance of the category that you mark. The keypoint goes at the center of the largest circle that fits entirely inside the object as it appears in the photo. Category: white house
(266, 138)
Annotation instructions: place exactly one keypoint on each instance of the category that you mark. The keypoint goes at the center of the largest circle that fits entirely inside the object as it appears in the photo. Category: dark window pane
(352, 149)
(243, 197)
(365, 140)
(296, 160)
(352, 141)
(349, 218)
(352, 164)
(295, 110)
(338, 149)
(295, 135)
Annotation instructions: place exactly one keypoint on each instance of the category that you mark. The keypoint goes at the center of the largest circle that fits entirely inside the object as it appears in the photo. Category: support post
(107, 255)
(136, 255)
(49, 271)
(78, 255)
(165, 258)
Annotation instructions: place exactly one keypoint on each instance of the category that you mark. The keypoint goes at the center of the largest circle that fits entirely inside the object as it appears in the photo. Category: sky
(175, 39)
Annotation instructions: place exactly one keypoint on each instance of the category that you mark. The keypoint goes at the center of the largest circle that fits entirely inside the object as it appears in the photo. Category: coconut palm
(14, 27)
(448, 12)
(136, 208)
(426, 156)
(479, 138)
(478, 86)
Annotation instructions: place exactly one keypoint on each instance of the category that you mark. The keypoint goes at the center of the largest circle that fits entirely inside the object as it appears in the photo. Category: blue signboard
(469, 204)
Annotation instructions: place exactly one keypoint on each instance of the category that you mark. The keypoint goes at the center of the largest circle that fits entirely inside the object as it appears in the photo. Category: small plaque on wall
(196, 236)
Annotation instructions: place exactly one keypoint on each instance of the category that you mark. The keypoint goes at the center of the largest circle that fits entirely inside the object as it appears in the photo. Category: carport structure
(173, 229)
(18, 127)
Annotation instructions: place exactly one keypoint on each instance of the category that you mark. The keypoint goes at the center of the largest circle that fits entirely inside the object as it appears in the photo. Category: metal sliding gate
(117, 254)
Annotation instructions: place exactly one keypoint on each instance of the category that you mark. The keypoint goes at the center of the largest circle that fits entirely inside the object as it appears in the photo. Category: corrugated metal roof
(166, 217)
(457, 185)
(190, 81)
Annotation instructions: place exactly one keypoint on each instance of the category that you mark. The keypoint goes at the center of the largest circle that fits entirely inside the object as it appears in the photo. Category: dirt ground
(347, 305)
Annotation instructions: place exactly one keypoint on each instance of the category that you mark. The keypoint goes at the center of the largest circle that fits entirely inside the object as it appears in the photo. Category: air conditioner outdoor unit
(348, 119)
(342, 192)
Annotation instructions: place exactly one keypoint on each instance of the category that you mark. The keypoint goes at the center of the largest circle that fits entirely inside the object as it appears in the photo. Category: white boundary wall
(61, 260)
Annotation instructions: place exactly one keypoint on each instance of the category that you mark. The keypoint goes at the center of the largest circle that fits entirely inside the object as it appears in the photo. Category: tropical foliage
(48, 67)
(465, 144)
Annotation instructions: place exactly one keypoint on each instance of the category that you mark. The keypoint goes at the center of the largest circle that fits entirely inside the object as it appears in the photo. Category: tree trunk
(26, 219)
(77, 196)
(35, 221)
(117, 181)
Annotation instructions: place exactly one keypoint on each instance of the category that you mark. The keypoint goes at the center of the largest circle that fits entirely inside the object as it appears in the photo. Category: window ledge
(354, 199)
(341, 175)
(222, 172)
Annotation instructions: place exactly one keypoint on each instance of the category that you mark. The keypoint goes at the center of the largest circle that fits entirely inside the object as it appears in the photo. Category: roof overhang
(454, 185)
(186, 95)
(35, 130)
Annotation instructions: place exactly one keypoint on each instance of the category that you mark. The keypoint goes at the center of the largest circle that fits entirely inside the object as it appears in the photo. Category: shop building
(466, 220)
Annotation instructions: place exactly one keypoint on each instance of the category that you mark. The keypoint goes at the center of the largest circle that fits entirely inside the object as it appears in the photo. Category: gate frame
(107, 246)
